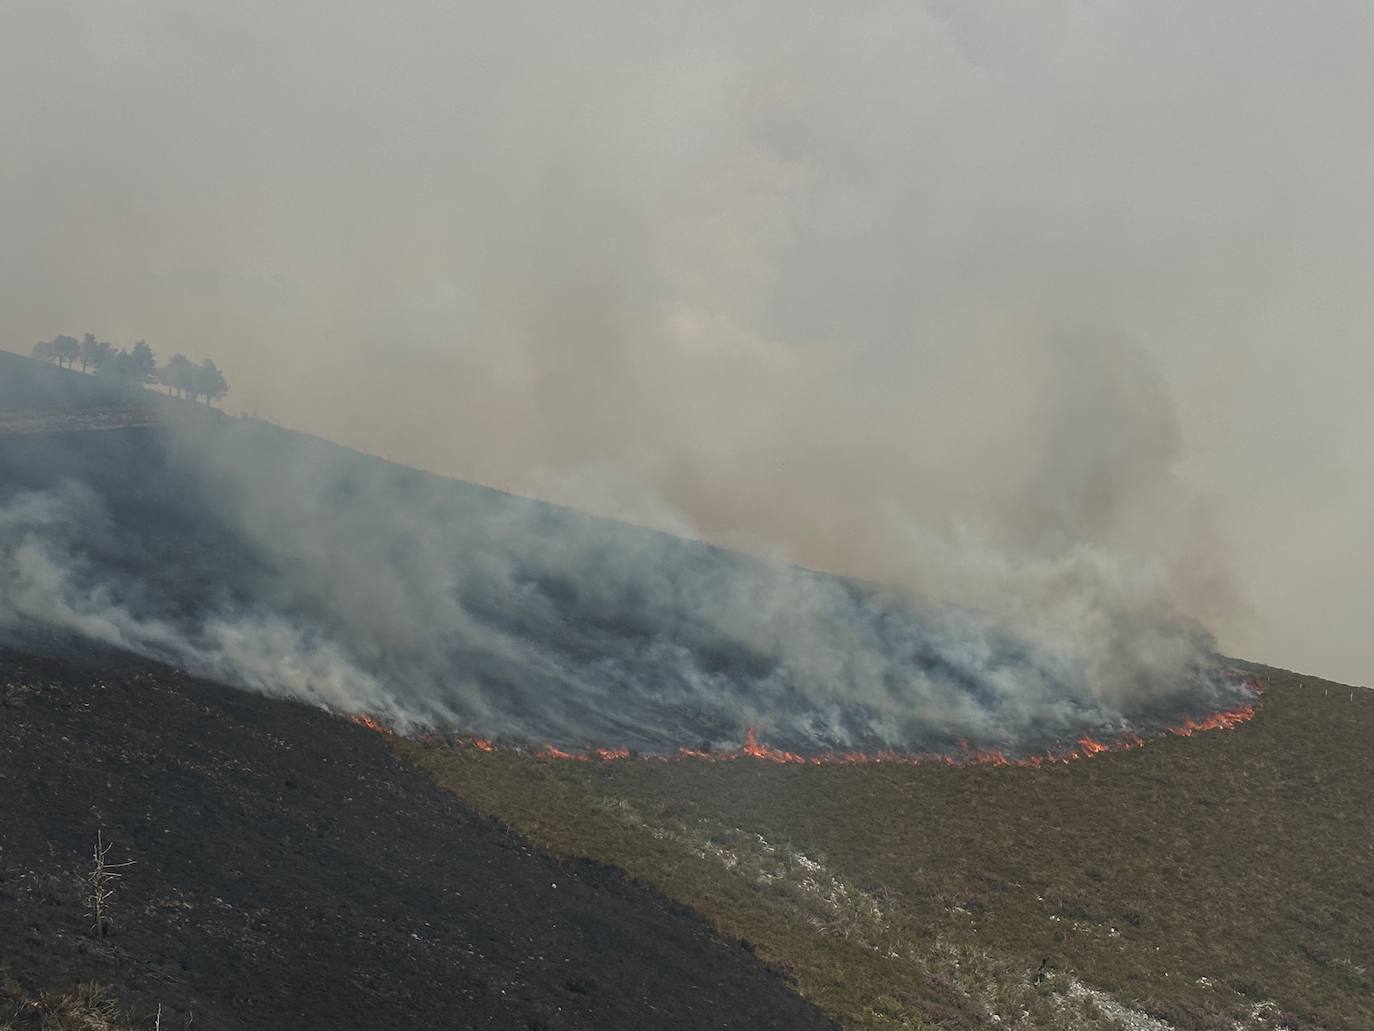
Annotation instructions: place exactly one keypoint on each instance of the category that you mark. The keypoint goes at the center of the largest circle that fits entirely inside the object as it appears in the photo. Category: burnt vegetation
(290, 871)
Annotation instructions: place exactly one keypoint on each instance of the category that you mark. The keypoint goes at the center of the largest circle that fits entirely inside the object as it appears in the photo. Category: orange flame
(754, 750)
(1091, 747)
(1225, 720)
(1085, 748)
(550, 752)
(371, 723)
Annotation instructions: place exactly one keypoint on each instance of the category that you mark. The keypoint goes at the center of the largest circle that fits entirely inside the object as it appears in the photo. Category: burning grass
(1212, 880)
(1085, 747)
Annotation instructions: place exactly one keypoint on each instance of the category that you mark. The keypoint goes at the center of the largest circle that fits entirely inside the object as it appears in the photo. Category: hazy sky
(956, 295)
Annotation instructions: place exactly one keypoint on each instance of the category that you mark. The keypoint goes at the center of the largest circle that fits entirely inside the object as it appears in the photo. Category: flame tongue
(371, 723)
(754, 750)
(1091, 747)
(1225, 720)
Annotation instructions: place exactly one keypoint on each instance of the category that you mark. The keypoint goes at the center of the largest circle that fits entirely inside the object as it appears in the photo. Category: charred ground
(291, 871)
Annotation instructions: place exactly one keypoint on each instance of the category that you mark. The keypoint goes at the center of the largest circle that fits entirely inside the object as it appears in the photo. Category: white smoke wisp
(49, 584)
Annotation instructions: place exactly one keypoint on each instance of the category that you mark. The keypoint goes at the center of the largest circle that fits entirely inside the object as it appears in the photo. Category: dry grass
(81, 1007)
(1216, 881)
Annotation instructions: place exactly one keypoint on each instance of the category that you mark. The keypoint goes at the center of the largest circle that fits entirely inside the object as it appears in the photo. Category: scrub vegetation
(1209, 882)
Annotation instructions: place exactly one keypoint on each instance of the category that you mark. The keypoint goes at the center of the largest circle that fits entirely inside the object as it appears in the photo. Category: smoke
(52, 581)
(1056, 317)
(286, 564)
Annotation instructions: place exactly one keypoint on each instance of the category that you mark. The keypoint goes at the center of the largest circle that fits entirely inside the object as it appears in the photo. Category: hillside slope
(1219, 881)
(1209, 882)
(289, 871)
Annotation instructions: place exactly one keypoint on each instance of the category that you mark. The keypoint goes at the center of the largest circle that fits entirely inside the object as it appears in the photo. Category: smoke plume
(283, 563)
(1055, 317)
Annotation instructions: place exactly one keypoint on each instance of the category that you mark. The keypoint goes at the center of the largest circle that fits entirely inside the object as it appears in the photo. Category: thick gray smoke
(1060, 313)
(289, 565)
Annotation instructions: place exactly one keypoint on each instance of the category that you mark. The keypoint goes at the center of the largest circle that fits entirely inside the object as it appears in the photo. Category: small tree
(120, 365)
(145, 362)
(210, 381)
(178, 375)
(43, 351)
(94, 353)
(100, 885)
(66, 350)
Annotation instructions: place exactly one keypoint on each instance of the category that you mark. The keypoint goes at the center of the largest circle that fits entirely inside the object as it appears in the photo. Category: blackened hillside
(289, 871)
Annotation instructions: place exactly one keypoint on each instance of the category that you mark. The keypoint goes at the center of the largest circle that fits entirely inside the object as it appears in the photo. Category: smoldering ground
(286, 564)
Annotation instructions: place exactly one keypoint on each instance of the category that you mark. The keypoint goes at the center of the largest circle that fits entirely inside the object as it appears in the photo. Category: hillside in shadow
(289, 871)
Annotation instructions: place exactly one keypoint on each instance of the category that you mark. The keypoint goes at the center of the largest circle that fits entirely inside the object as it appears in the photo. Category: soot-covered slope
(270, 559)
(290, 872)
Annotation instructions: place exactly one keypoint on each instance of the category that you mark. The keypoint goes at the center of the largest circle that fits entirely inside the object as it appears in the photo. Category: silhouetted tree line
(179, 375)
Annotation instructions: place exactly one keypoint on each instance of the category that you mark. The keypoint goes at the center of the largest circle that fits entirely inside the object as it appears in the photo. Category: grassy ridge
(1228, 876)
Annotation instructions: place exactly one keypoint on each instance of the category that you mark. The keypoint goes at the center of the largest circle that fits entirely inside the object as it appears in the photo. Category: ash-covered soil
(289, 871)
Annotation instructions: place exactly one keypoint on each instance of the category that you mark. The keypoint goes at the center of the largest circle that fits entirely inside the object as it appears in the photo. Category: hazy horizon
(1063, 311)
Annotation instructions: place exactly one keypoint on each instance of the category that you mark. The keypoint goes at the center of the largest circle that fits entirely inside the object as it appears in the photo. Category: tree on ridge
(145, 362)
(94, 353)
(178, 375)
(61, 351)
(210, 381)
